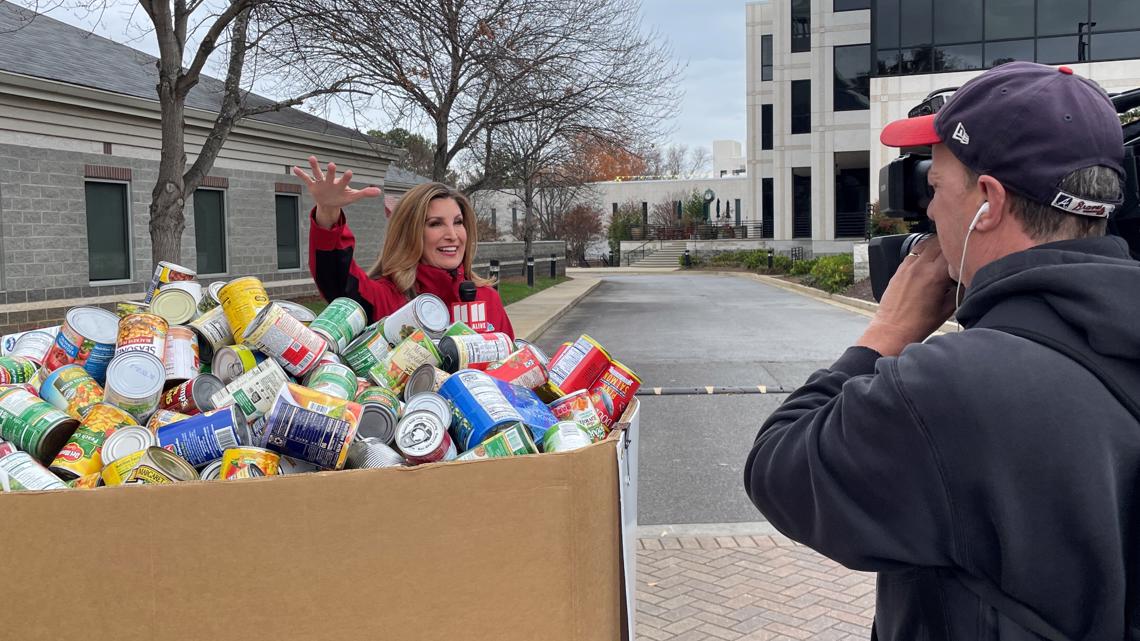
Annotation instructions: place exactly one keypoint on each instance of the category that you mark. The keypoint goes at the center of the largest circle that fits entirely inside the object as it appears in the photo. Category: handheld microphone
(469, 311)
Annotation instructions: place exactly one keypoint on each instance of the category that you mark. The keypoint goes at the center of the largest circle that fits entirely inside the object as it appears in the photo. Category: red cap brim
(910, 132)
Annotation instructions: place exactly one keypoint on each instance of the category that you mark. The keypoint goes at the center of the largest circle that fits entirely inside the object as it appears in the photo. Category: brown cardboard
(526, 548)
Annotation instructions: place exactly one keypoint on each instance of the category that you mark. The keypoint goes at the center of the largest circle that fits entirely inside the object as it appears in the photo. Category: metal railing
(701, 231)
(639, 252)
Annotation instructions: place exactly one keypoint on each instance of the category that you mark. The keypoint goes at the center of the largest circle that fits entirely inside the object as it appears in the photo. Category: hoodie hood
(1092, 284)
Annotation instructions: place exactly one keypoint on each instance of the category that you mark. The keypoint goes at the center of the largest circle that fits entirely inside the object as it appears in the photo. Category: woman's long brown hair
(404, 242)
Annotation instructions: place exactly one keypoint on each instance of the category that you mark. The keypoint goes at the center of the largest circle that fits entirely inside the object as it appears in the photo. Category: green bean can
(333, 379)
(395, 369)
(339, 323)
(33, 425)
(369, 348)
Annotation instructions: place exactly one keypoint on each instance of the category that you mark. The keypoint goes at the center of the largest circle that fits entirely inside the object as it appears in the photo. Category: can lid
(174, 465)
(95, 323)
(127, 440)
(204, 387)
(213, 288)
(376, 423)
(228, 363)
(212, 471)
(177, 306)
(298, 311)
(177, 268)
(433, 314)
(433, 402)
(419, 433)
(136, 375)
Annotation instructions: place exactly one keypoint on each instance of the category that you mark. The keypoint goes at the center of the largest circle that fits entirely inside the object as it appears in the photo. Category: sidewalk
(532, 315)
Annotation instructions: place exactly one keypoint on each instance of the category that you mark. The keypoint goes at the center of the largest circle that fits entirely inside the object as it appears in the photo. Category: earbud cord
(958, 287)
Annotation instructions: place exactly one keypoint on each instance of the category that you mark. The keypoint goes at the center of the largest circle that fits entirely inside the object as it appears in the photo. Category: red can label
(579, 366)
(613, 392)
(180, 399)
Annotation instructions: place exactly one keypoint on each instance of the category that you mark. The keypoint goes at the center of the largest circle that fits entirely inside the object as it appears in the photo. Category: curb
(533, 333)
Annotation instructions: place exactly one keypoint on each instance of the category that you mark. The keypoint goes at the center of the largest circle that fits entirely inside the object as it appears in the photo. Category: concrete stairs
(668, 256)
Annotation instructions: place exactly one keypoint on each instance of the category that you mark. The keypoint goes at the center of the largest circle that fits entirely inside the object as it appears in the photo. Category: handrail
(640, 249)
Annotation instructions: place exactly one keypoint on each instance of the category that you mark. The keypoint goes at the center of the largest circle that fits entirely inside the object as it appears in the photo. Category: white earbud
(966, 243)
(978, 216)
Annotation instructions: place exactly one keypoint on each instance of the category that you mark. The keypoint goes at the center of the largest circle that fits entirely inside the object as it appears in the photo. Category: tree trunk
(168, 200)
(439, 159)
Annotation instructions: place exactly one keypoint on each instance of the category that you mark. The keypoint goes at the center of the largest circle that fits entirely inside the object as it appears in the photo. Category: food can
(433, 403)
(310, 436)
(6, 448)
(134, 383)
(212, 471)
(565, 436)
(232, 361)
(253, 392)
(333, 379)
(16, 370)
(298, 311)
(381, 412)
(19, 472)
(214, 333)
(579, 366)
(513, 441)
(142, 333)
(176, 305)
(281, 337)
(214, 292)
(578, 407)
(523, 367)
(339, 323)
(481, 408)
(535, 349)
(33, 345)
(83, 453)
(394, 369)
(459, 328)
(193, 396)
(425, 312)
(164, 273)
(72, 390)
(33, 425)
(367, 349)
(126, 308)
(535, 414)
(426, 378)
(248, 462)
(242, 299)
(192, 287)
(181, 361)
(422, 438)
(164, 417)
(613, 392)
(128, 439)
(371, 453)
(155, 466)
(87, 338)
(464, 352)
(205, 437)
(115, 471)
(290, 465)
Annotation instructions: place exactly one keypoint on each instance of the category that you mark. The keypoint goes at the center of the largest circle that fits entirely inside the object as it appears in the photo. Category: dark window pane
(210, 230)
(852, 193)
(737, 210)
(801, 26)
(1056, 17)
(288, 234)
(1115, 14)
(1114, 46)
(999, 53)
(801, 202)
(767, 217)
(851, 5)
(958, 21)
(765, 57)
(108, 239)
(917, 60)
(852, 78)
(1009, 19)
(886, 15)
(801, 106)
(494, 219)
(1057, 50)
(765, 126)
(888, 63)
(916, 22)
(958, 57)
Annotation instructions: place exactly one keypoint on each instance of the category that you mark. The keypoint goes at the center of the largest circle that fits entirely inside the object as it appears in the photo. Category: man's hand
(329, 193)
(919, 298)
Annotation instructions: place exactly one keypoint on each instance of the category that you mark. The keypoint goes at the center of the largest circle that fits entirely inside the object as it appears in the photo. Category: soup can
(205, 437)
(253, 392)
(425, 312)
(298, 311)
(164, 417)
(523, 367)
(280, 336)
(83, 452)
(33, 345)
(371, 453)
(126, 308)
(142, 333)
(33, 425)
(126, 440)
(248, 462)
(422, 438)
(214, 333)
(394, 369)
(578, 407)
(339, 323)
(232, 361)
(134, 383)
(17, 370)
(368, 349)
(193, 396)
(333, 379)
(565, 436)
(87, 338)
(242, 299)
(481, 408)
(19, 471)
(181, 362)
(174, 304)
(164, 273)
(465, 352)
(578, 366)
(71, 389)
(380, 414)
(310, 436)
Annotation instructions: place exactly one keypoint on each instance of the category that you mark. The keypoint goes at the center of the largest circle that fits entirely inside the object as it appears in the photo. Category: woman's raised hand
(330, 193)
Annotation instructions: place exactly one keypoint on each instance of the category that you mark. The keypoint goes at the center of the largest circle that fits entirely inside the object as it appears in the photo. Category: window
(999, 53)
(1009, 19)
(852, 78)
(917, 60)
(888, 63)
(210, 230)
(801, 26)
(1114, 46)
(915, 23)
(851, 5)
(765, 126)
(1116, 14)
(958, 57)
(288, 232)
(1060, 17)
(515, 216)
(852, 193)
(766, 215)
(737, 210)
(801, 202)
(958, 21)
(765, 57)
(494, 219)
(1057, 50)
(886, 15)
(801, 106)
(108, 231)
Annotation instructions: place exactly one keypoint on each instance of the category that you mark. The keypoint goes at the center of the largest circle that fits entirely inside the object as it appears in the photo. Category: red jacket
(337, 274)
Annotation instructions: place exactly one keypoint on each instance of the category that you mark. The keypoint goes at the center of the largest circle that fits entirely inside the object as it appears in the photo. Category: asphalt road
(696, 330)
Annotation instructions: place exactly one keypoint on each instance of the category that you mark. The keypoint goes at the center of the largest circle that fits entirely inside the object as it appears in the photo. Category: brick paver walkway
(747, 587)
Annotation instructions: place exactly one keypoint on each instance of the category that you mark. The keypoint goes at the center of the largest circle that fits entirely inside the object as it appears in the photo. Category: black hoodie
(980, 452)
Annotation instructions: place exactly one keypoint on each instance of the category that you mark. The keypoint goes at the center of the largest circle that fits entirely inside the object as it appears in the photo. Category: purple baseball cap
(1029, 126)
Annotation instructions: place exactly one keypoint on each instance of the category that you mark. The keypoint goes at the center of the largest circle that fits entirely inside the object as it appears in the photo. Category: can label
(15, 370)
(459, 328)
(119, 470)
(565, 436)
(34, 343)
(19, 471)
(334, 380)
(145, 474)
(142, 333)
(310, 436)
(340, 322)
(476, 349)
(71, 389)
(214, 329)
(25, 419)
(578, 366)
(481, 408)
(295, 347)
(202, 438)
(513, 441)
(613, 391)
(71, 347)
(579, 408)
(415, 350)
(180, 399)
(242, 299)
(522, 367)
(164, 273)
(367, 350)
(164, 417)
(83, 453)
(379, 396)
(248, 462)
(253, 392)
(181, 359)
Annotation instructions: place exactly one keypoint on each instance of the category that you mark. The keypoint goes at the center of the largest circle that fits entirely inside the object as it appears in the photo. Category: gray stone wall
(510, 255)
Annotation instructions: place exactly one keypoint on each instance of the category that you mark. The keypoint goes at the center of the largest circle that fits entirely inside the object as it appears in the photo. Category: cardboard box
(525, 548)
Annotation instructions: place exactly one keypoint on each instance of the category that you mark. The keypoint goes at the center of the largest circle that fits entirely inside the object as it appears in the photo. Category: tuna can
(83, 453)
(126, 440)
(242, 299)
(71, 389)
(380, 414)
(463, 352)
(33, 425)
(232, 361)
(164, 273)
(193, 396)
(371, 453)
(426, 378)
(298, 311)
(87, 338)
(395, 368)
(579, 366)
(205, 437)
(459, 328)
(280, 336)
(212, 471)
(422, 438)
(367, 349)
(176, 305)
(164, 417)
(214, 333)
(426, 312)
(340, 322)
(134, 384)
(481, 408)
(181, 361)
(142, 333)
(565, 436)
(33, 345)
(290, 465)
(17, 370)
(334, 380)
(535, 349)
(19, 471)
(253, 392)
(248, 462)
(513, 441)
(613, 392)
(578, 407)
(160, 467)
(523, 368)
(310, 436)
(433, 403)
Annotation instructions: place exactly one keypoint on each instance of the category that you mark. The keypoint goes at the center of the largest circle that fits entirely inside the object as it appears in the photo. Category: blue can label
(203, 438)
(480, 407)
(310, 436)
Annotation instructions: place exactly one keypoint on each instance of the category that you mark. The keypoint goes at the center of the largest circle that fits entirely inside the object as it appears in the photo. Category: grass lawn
(510, 289)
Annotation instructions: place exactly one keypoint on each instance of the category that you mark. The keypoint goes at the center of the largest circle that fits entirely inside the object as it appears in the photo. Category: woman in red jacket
(428, 249)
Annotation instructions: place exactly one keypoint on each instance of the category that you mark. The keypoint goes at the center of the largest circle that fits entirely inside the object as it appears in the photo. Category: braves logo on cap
(1082, 206)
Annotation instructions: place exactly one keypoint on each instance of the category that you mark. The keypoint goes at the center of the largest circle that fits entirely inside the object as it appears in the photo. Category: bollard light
(494, 269)
(530, 271)
(554, 266)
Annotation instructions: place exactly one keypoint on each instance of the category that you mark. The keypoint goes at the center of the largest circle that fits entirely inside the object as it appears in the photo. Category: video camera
(904, 193)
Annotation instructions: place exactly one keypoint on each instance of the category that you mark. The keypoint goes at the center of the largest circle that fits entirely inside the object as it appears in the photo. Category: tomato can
(33, 425)
(394, 369)
(371, 453)
(134, 383)
(232, 361)
(142, 333)
(481, 408)
(367, 349)
(16, 370)
(422, 438)
(426, 312)
(19, 472)
(281, 337)
(253, 392)
(565, 436)
(164, 273)
(513, 441)
(380, 413)
(578, 407)
(333, 379)
(523, 367)
(83, 453)
(339, 323)
(164, 417)
(72, 390)
(128, 439)
(181, 361)
(214, 333)
(205, 437)
(248, 462)
(613, 392)
(310, 436)
(242, 300)
(579, 366)
(193, 396)
(464, 352)
(87, 338)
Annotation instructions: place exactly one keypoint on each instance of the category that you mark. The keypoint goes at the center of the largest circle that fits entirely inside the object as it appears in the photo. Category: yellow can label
(248, 462)
(118, 471)
(148, 475)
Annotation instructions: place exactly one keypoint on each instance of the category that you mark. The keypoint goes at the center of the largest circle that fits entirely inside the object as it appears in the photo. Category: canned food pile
(197, 383)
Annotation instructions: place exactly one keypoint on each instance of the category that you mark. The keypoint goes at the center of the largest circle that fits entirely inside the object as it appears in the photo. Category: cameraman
(988, 475)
